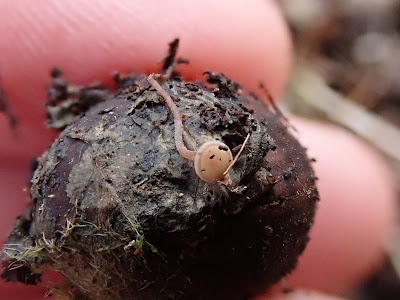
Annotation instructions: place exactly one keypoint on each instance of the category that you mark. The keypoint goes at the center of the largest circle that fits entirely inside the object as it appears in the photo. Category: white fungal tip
(211, 161)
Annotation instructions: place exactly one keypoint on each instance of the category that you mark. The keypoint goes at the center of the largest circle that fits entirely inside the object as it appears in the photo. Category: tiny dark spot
(268, 230)
(56, 72)
(192, 86)
(212, 156)
(223, 148)
(34, 164)
(176, 99)
(223, 200)
(109, 180)
(287, 175)
(220, 159)
(287, 290)
(203, 170)
(271, 178)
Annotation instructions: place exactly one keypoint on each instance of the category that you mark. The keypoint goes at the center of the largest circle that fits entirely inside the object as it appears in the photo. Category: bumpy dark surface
(124, 216)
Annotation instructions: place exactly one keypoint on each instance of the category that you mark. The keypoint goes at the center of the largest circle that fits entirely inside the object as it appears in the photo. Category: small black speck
(268, 230)
(223, 148)
(212, 156)
(56, 72)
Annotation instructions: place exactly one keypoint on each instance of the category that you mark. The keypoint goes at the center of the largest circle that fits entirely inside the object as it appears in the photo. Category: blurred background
(347, 72)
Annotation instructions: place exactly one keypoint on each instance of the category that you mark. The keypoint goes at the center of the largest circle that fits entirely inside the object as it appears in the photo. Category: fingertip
(278, 293)
(306, 295)
(250, 43)
(356, 213)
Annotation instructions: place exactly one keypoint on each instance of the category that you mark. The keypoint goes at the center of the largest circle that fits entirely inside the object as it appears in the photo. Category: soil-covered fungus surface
(119, 212)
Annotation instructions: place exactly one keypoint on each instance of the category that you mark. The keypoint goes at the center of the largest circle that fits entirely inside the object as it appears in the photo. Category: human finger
(356, 213)
(88, 40)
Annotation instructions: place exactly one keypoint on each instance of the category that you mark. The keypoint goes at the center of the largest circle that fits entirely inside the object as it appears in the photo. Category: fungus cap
(212, 160)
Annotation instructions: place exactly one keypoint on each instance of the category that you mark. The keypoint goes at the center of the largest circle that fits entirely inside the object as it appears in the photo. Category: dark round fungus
(123, 215)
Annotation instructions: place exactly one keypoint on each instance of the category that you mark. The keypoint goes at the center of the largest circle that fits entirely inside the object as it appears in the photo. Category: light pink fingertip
(356, 213)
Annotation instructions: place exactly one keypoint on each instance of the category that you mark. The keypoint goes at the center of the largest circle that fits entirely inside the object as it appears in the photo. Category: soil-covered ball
(119, 212)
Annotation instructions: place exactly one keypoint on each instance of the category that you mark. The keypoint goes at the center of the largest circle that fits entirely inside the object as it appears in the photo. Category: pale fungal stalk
(185, 152)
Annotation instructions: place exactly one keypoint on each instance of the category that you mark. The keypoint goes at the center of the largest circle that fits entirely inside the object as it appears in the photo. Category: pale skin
(129, 37)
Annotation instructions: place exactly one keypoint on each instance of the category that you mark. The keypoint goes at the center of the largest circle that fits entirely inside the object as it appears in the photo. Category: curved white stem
(185, 152)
